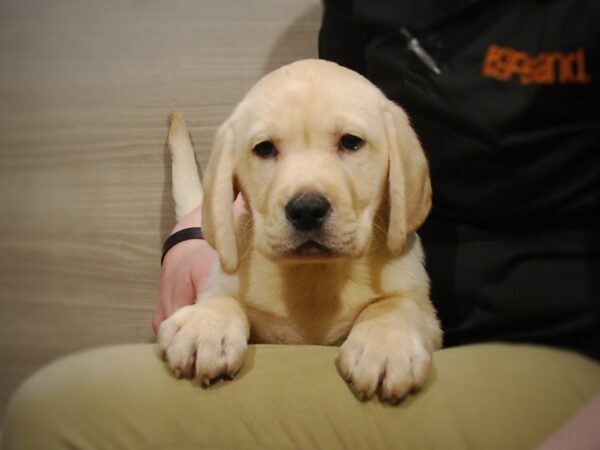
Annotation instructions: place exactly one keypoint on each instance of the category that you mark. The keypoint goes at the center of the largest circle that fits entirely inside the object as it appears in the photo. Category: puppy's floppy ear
(219, 193)
(409, 183)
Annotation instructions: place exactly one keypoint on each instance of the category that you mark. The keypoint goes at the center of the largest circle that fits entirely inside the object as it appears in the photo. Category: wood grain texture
(85, 202)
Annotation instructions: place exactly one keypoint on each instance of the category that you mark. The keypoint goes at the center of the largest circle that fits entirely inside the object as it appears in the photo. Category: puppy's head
(315, 148)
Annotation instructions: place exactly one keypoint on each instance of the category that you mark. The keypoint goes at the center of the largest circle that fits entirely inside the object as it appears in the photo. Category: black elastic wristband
(180, 236)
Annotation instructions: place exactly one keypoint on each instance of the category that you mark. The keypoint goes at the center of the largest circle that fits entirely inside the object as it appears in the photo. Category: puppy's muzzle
(307, 212)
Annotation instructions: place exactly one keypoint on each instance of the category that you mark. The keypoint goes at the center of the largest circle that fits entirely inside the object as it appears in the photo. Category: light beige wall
(85, 89)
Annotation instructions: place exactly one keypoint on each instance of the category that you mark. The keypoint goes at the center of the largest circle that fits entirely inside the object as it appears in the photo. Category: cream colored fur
(369, 292)
(187, 189)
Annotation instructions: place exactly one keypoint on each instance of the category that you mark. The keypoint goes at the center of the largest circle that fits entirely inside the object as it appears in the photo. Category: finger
(157, 318)
(183, 293)
(164, 298)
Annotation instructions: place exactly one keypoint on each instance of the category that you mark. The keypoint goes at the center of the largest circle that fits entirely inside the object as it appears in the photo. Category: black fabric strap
(180, 236)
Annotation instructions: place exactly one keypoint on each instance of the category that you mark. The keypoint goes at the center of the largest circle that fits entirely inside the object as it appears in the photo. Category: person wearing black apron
(503, 96)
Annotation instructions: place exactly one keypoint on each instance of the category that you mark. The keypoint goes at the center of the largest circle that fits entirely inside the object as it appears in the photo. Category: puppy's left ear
(409, 183)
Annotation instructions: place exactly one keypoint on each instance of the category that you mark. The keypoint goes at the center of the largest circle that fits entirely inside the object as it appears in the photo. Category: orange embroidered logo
(503, 63)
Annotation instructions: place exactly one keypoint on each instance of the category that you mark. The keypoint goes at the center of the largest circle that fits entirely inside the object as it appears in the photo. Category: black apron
(511, 128)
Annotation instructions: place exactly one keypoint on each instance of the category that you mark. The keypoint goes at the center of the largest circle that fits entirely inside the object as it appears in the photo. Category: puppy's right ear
(219, 193)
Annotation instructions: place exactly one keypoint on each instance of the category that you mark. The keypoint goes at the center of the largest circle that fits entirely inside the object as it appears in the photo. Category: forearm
(581, 432)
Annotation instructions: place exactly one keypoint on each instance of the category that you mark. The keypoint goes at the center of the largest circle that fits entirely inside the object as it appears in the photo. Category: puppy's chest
(305, 304)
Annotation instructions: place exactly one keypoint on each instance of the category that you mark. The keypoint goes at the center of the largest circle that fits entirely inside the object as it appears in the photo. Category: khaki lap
(124, 397)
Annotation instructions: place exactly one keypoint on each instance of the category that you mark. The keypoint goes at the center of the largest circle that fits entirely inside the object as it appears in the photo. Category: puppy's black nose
(307, 212)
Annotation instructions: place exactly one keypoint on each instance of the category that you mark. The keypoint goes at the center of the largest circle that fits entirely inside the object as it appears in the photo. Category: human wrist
(178, 237)
(188, 228)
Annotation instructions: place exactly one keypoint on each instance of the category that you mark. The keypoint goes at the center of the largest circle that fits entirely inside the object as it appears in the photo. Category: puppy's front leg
(389, 347)
(206, 340)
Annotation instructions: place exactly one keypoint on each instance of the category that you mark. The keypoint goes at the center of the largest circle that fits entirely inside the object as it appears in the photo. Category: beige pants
(479, 397)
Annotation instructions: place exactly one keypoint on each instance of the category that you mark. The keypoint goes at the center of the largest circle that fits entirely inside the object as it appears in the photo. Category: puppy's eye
(265, 150)
(350, 142)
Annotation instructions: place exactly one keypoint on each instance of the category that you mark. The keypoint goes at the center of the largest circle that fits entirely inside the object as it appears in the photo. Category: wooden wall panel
(85, 89)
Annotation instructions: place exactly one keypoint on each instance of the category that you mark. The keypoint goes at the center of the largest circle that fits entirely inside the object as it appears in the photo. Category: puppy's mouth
(312, 249)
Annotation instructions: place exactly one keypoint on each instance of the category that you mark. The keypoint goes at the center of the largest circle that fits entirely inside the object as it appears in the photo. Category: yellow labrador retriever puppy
(335, 183)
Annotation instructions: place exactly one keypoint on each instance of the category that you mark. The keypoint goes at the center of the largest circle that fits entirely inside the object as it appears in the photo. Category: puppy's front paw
(204, 342)
(380, 359)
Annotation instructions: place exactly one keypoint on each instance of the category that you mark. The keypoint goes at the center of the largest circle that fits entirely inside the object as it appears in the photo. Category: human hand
(186, 268)
(184, 272)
